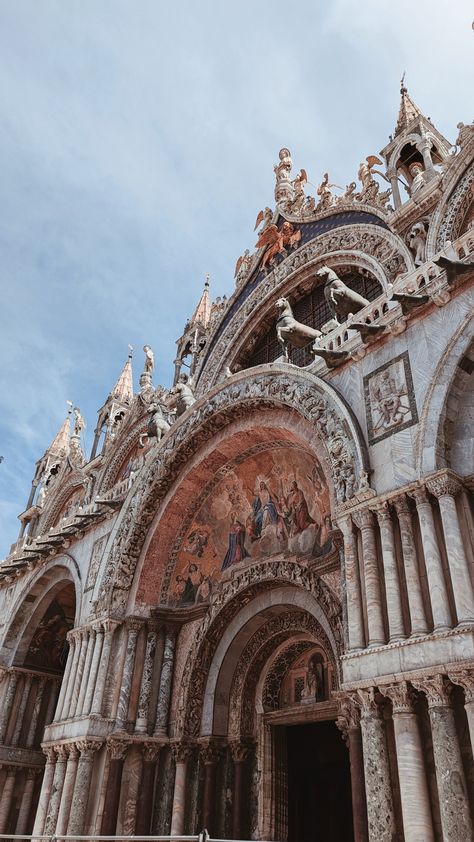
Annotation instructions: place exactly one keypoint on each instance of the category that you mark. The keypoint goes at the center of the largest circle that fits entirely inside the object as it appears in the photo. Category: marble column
(7, 797)
(85, 674)
(445, 488)
(181, 754)
(92, 678)
(20, 711)
(76, 690)
(75, 640)
(147, 676)
(68, 790)
(56, 790)
(433, 563)
(240, 751)
(7, 706)
(66, 677)
(395, 189)
(210, 754)
(52, 702)
(109, 627)
(117, 750)
(355, 622)
(418, 621)
(451, 782)
(364, 519)
(40, 687)
(151, 753)
(348, 723)
(166, 681)
(380, 812)
(465, 679)
(424, 146)
(391, 574)
(127, 675)
(416, 809)
(82, 784)
(26, 802)
(46, 785)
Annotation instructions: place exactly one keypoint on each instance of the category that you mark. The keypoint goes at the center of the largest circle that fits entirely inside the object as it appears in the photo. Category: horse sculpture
(290, 331)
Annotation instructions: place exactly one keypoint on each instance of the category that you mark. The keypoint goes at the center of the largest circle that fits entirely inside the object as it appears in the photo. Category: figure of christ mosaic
(274, 501)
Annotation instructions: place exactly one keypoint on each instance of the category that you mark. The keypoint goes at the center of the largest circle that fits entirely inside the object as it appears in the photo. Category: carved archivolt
(307, 395)
(224, 606)
(447, 221)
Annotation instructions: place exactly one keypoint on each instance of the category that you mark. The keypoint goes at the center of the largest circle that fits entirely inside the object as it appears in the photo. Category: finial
(70, 406)
(130, 351)
(403, 89)
(206, 282)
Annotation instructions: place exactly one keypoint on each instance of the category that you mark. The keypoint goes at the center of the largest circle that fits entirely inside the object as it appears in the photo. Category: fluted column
(85, 675)
(76, 690)
(453, 802)
(92, 677)
(7, 797)
(40, 687)
(240, 751)
(61, 704)
(465, 679)
(380, 812)
(181, 753)
(7, 705)
(56, 790)
(117, 750)
(391, 575)
(81, 787)
(68, 790)
(147, 676)
(365, 521)
(210, 754)
(45, 793)
(20, 712)
(127, 674)
(445, 488)
(416, 810)
(109, 627)
(433, 563)
(348, 723)
(26, 802)
(419, 624)
(166, 681)
(145, 799)
(355, 620)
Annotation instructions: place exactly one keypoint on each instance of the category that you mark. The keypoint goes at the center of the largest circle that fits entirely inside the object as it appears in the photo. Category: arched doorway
(38, 648)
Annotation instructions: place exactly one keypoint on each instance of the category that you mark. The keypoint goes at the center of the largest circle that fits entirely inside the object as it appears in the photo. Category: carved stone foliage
(272, 686)
(390, 399)
(223, 608)
(310, 397)
(457, 208)
(386, 249)
(94, 565)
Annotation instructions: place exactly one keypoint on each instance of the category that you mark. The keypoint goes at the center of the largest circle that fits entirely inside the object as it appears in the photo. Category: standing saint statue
(149, 359)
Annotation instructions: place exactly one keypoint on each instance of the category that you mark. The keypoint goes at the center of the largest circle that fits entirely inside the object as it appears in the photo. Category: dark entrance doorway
(319, 784)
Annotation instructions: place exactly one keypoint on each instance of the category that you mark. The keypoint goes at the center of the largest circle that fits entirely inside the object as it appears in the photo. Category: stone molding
(400, 695)
(464, 679)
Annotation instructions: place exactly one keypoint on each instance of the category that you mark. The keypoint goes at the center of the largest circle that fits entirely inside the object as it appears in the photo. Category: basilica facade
(250, 608)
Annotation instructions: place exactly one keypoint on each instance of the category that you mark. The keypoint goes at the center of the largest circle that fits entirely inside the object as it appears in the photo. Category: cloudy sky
(137, 145)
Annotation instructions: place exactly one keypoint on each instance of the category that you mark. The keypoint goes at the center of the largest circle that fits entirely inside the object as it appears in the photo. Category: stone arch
(440, 407)
(310, 402)
(32, 603)
(261, 591)
(128, 439)
(66, 488)
(458, 194)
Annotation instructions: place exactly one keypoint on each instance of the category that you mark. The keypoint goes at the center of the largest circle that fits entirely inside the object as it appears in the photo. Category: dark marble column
(210, 754)
(151, 753)
(42, 809)
(348, 723)
(117, 750)
(7, 797)
(82, 785)
(166, 683)
(240, 750)
(380, 811)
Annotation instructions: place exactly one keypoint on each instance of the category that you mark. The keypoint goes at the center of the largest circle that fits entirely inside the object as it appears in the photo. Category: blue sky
(137, 144)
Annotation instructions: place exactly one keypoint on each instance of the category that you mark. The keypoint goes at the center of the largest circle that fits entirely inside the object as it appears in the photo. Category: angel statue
(264, 216)
(149, 359)
(278, 239)
(242, 266)
(370, 187)
(324, 192)
(298, 191)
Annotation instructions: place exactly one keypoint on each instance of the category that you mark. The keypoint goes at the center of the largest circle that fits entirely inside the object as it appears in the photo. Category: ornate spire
(60, 444)
(123, 389)
(202, 313)
(408, 109)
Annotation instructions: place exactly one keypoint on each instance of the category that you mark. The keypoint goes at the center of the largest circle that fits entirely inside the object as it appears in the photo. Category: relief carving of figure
(417, 243)
(387, 395)
(342, 300)
(314, 682)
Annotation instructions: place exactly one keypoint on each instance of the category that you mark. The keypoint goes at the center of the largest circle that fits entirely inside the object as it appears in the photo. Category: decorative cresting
(389, 254)
(257, 653)
(454, 209)
(304, 393)
(227, 604)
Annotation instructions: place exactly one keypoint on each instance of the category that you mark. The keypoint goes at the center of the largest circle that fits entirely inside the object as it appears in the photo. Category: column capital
(117, 748)
(181, 751)
(382, 511)
(110, 625)
(87, 748)
(349, 715)
(401, 505)
(364, 518)
(33, 772)
(345, 523)
(241, 749)
(367, 701)
(464, 679)
(73, 751)
(400, 695)
(420, 496)
(61, 753)
(443, 485)
(151, 751)
(134, 625)
(50, 753)
(436, 689)
(210, 752)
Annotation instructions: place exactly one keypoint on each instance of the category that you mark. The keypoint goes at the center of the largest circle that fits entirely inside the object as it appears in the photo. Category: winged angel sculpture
(278, 241)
